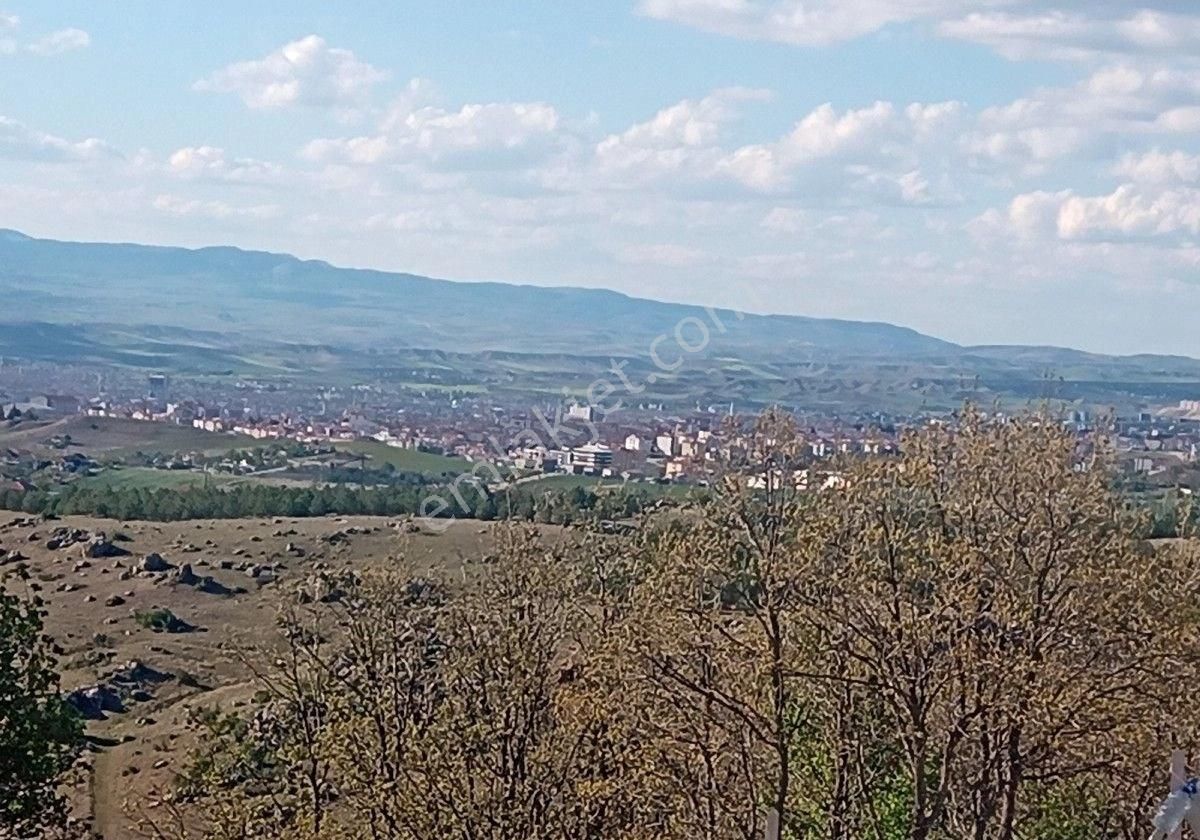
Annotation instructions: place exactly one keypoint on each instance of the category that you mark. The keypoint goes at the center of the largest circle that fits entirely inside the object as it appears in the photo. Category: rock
(92, 702)
(211, 586)
(155, 563)
(100, 547)
(137, 672)
(185, 576)
(114, 601)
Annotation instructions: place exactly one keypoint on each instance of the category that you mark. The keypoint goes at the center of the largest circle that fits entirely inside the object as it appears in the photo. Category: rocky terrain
(157, 620)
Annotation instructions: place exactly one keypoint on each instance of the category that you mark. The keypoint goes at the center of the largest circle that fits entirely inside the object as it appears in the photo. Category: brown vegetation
(968, 641)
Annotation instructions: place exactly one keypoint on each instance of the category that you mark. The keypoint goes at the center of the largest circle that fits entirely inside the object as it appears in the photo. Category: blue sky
(989, 171)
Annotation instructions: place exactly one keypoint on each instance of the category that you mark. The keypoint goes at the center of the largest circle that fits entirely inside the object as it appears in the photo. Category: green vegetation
(408, 460)
(259, 499)
(137, 478)
(39, 733)
(160, 620)
(118, 437)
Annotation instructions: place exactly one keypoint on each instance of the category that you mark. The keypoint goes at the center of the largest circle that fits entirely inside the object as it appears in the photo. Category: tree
(970, 639)
(39, 732)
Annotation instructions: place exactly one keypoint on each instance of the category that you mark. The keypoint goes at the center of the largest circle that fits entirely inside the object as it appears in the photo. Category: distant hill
(280, 297)
(225, 310)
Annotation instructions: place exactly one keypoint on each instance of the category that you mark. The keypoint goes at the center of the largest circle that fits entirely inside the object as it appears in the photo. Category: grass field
(116, 436)
(127, 478)
(409, 460)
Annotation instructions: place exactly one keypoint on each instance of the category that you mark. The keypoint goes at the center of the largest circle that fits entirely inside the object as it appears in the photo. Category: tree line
(250, 500)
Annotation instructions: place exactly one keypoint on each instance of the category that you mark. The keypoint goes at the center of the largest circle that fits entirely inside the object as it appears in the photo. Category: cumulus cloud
(1113, 103)
(1130, 211)
(1158, 167)
(19, 141)
(681, 136)
(865, 138)
(209, 162)
(62, 41)
(307, 72)
(476, 135)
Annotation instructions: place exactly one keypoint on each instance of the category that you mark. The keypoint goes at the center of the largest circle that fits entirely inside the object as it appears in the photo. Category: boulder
(93, 701)
(100, 547)
(155, 563)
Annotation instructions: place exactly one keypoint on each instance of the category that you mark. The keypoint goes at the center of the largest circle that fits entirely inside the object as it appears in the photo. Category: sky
(986, 171)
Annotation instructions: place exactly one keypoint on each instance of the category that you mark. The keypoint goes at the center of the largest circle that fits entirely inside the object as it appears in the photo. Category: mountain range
(227, 309)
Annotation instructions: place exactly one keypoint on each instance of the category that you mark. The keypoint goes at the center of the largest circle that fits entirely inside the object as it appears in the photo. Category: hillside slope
(276, 296)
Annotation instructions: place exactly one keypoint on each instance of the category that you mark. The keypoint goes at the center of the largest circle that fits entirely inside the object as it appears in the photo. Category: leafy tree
(39, 732)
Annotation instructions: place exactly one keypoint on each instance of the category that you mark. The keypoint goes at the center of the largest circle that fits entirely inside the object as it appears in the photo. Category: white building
(590, 459)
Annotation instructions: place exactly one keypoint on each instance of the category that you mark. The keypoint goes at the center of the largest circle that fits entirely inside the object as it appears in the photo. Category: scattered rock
(155, 563)
(100, 547)
(92, 702)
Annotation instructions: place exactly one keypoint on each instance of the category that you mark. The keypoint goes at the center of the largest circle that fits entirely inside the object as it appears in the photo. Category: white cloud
(1052, 33)
(307, 72)
(867, 137)
(208, 162)
(682, 136)
(476, 136)
(1118, 102)
(801, 22)
(21, 142)
(1157, 167)
(1128, 212)
(8, 21)
(62, 41)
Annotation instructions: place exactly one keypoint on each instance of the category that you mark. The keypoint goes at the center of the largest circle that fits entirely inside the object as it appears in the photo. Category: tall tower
(159, 387)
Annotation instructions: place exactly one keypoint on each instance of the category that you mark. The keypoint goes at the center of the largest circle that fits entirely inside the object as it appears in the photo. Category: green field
(407, 460)
(136, 478)
(114, 436)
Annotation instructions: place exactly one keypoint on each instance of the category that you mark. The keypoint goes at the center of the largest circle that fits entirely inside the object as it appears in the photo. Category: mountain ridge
(349, 303)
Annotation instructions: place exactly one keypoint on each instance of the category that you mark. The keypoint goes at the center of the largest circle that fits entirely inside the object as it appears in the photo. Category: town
(347, 425)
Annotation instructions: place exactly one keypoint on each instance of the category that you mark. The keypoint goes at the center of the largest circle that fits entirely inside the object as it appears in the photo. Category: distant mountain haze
(282, 297)
(225, 310)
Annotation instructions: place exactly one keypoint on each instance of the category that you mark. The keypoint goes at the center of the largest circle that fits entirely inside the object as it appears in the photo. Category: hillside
(226, 311)
(276, 296)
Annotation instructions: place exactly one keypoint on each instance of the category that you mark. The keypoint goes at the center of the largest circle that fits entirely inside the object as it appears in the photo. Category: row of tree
(467, 500)
(968, 641)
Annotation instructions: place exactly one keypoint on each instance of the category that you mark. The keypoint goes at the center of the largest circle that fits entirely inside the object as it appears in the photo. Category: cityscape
(632, 420)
